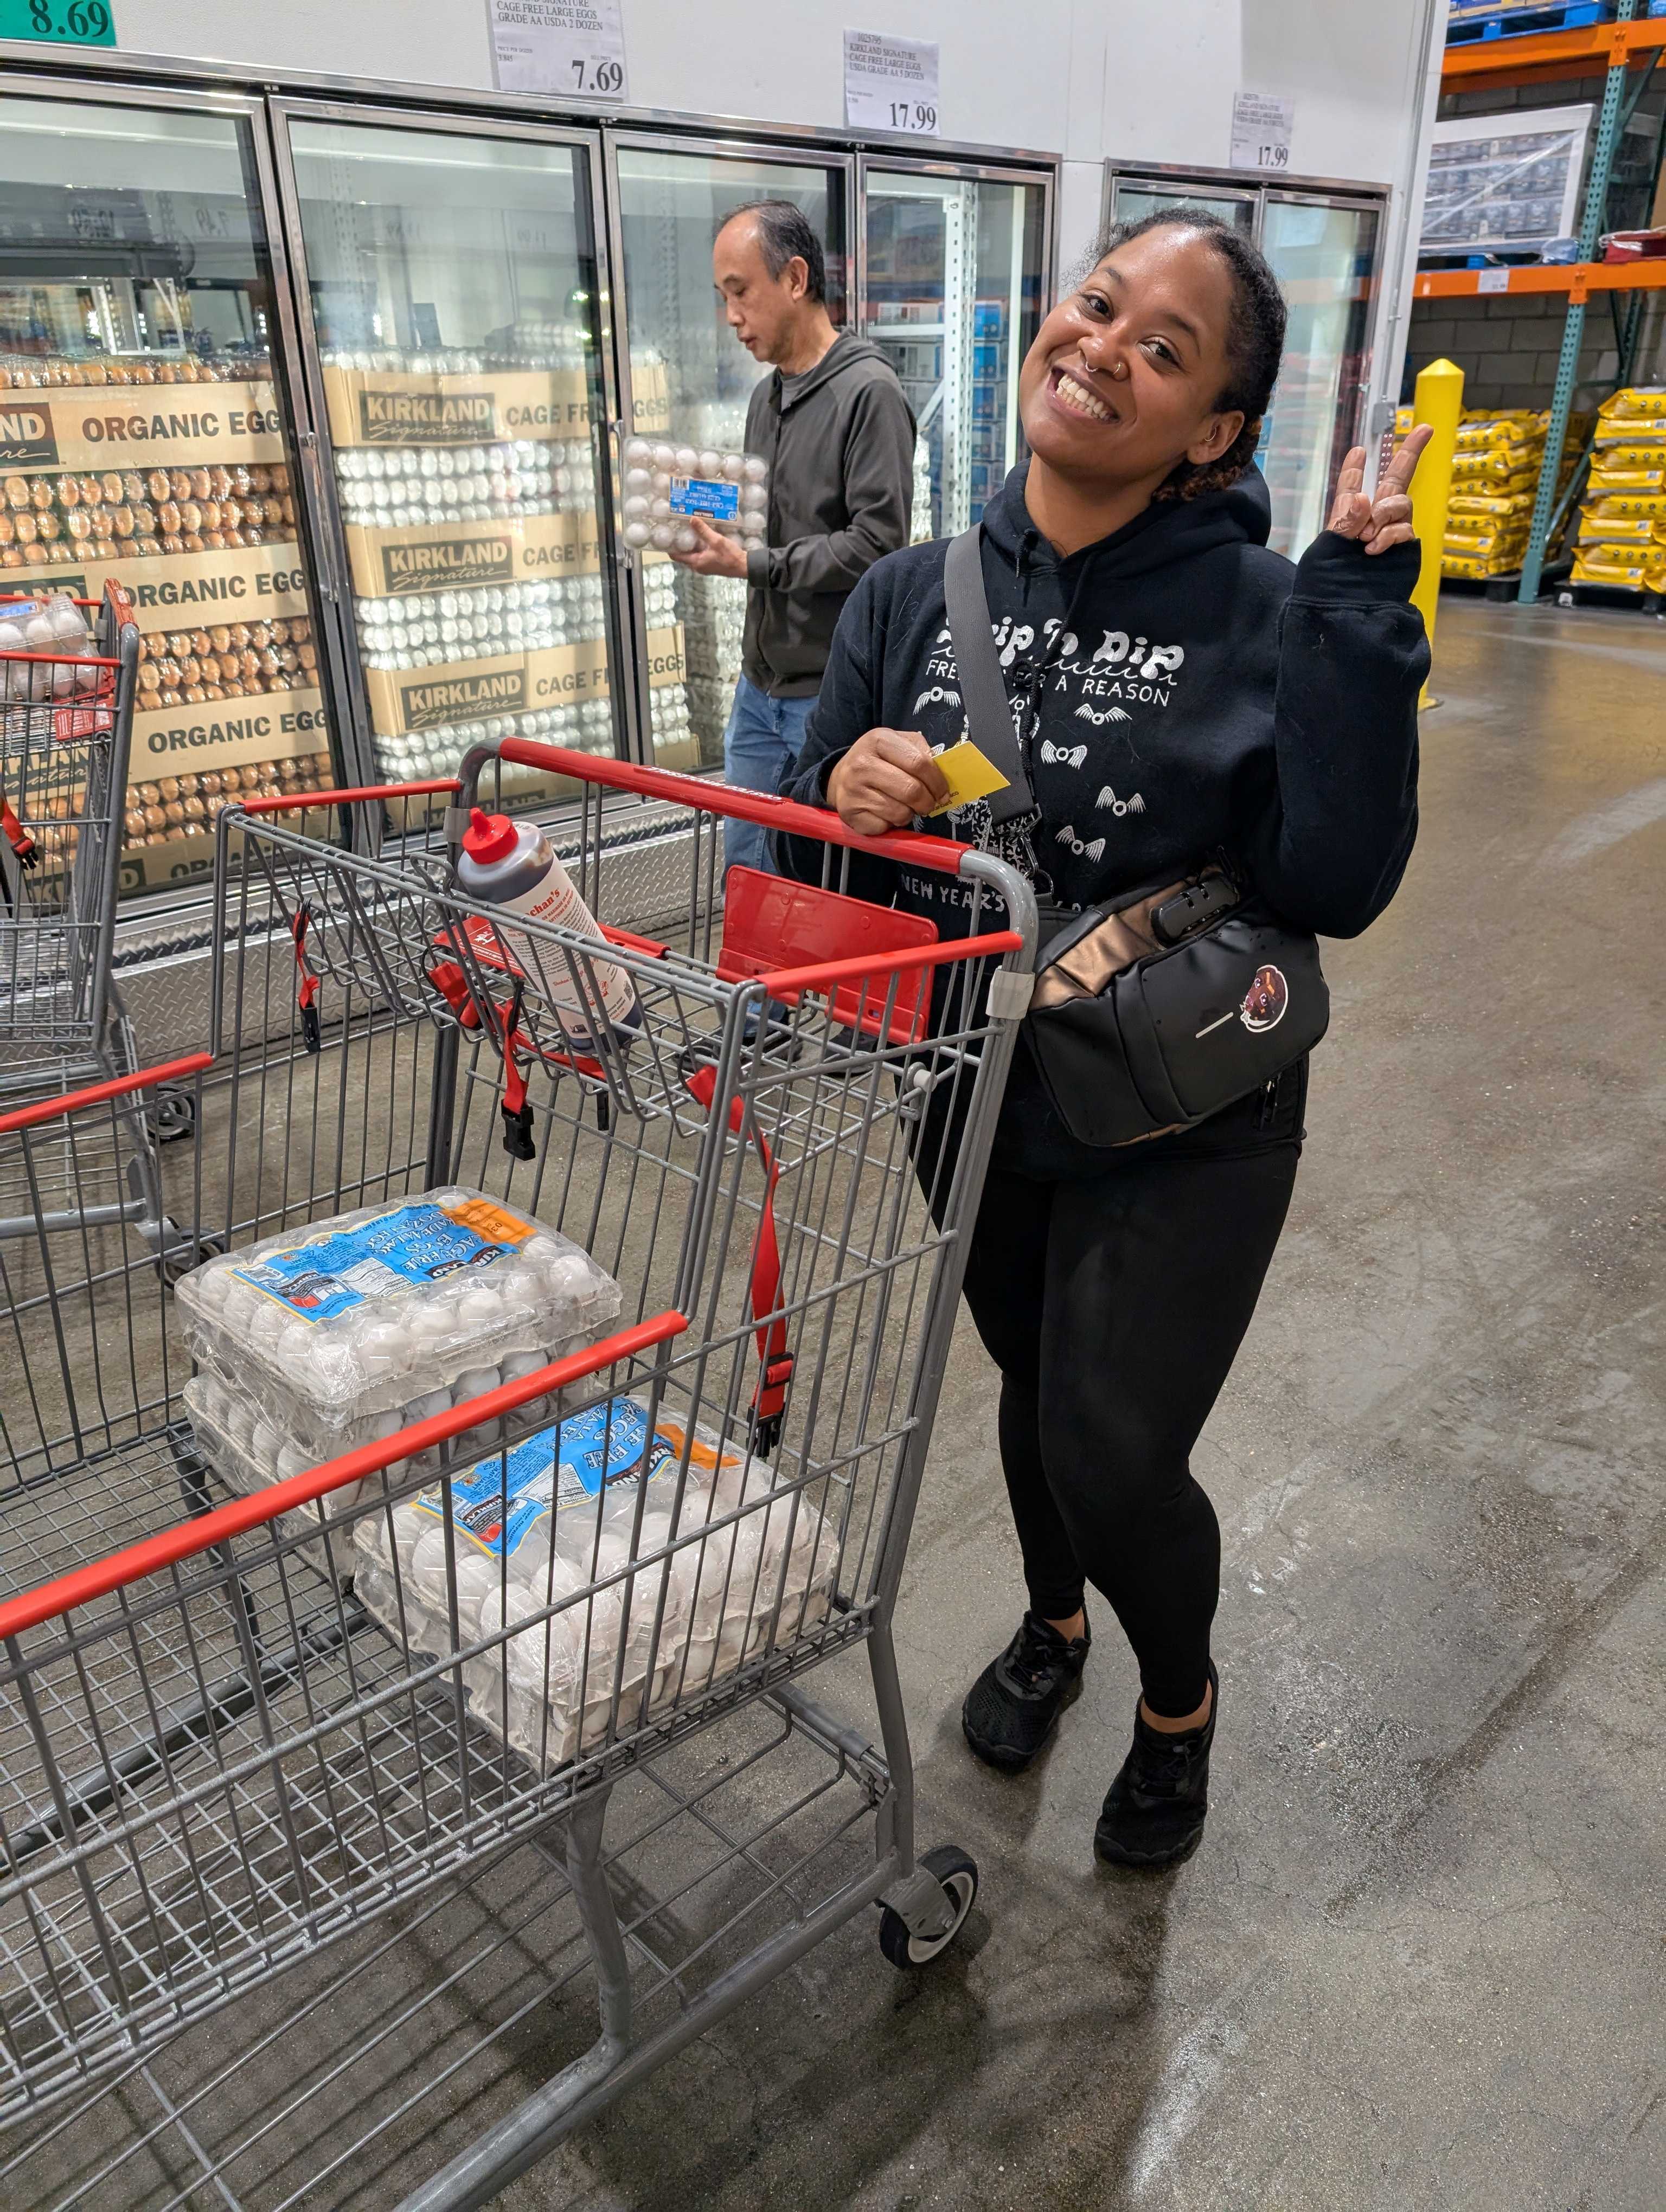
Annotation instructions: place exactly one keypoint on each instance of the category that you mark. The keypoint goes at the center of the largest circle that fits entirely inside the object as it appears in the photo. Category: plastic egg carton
(249, 1451)
(533, 1533)
(346, 1330)
(53, 625)
(664, 486)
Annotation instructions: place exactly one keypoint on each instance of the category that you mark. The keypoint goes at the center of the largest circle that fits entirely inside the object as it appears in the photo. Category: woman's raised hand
(886, 778)
(1386, 520)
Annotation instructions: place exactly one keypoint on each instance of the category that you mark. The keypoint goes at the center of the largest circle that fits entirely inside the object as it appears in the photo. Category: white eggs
(687, 459)
(473, 1382)
(753, 498)
(664, 537)
(639, 479)
(638, 533)
(754, 468)
(665, 456)
(733, 467)
(479, 1309)
(687, 540)
(711, 462)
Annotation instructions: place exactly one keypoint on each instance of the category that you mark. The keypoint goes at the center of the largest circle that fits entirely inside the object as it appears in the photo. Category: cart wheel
(181, 1253)
(958, 1873)
(173, 1116)
(1565, 598)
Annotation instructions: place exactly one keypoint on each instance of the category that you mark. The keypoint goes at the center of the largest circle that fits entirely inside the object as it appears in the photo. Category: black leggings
(1113, 1307)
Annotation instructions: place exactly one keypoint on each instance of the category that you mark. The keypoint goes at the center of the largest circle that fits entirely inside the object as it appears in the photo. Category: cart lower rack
(251, 1711)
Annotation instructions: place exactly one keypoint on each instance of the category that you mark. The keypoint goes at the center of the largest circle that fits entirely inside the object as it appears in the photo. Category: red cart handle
(710, 796)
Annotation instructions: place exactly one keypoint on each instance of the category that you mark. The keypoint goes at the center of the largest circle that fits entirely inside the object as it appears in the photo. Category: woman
(1178, 690)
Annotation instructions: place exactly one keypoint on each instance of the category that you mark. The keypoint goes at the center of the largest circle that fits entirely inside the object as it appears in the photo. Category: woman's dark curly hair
(1255, 340)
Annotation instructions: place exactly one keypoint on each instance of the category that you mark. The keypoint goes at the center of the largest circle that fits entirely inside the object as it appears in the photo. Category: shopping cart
(66, 724)
(221, 1752)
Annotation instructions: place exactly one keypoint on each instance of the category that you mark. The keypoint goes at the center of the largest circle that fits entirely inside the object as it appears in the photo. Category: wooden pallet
(1569, 595)
(1511, 21)
(1497, 589)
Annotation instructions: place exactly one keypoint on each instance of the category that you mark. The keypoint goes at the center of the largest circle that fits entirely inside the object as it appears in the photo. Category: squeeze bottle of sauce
(513, 866)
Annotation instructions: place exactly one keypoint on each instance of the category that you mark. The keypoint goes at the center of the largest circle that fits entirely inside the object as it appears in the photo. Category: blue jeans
(760, 744)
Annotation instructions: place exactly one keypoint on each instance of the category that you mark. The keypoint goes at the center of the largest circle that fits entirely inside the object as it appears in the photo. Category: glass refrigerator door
(952, 292)
(690, 381)
(451, 279)
(1135, 198)
(145, 438)
(1324, 257)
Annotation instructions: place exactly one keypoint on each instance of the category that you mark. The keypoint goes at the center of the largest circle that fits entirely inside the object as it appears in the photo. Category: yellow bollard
(1439, 402)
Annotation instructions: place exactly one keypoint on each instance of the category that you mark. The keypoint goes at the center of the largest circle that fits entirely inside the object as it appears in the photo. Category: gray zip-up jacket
(841, 454)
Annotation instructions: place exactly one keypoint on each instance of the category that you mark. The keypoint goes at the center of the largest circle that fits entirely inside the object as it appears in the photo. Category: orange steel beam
(1541, 55)
(1576, 278)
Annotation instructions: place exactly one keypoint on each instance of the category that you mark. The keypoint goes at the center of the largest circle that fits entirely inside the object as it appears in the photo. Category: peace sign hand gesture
(1386, 520)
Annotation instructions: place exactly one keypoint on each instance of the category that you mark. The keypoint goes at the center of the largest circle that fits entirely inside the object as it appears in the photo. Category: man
(838, 433)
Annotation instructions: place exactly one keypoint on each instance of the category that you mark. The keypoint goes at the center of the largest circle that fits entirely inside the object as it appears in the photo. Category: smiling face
(1124, 379)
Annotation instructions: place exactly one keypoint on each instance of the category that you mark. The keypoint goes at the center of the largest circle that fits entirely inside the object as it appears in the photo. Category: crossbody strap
(983, 686)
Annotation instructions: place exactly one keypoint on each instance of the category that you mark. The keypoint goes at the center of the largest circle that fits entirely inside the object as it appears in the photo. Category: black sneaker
(1154, 1810)
(1010, 1710)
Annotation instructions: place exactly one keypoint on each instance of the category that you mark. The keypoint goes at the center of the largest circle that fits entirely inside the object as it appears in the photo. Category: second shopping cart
(303, 1697)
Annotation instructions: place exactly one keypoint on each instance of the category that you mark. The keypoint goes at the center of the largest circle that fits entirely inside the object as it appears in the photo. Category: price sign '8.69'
(65, 22)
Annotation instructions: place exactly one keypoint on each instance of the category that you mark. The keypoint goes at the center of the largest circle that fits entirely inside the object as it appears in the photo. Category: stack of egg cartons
(1495, 476)
(538, 1543)
(1622, 522)
(343, 1332)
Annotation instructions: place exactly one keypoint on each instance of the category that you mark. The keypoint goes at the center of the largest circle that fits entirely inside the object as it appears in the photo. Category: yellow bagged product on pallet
(1479, 432)
(1628, 503)
(1490, 502)
(1512, 465)
(1615, 530)
(1610, 565)
(1648, 456)
(1635, 399)
(1475, 568)
(1639, 433)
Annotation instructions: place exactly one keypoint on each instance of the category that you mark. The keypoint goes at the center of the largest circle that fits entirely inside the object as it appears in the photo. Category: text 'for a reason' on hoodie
(1180, 690)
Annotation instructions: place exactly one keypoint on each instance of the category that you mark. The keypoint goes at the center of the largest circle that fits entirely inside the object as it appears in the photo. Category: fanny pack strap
(983, 686)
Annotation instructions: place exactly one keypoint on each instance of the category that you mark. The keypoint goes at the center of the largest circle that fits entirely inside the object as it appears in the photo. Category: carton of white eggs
(556, 1556)
(664, 488)
(343, 1332)
(53, 626)
(249, 1451)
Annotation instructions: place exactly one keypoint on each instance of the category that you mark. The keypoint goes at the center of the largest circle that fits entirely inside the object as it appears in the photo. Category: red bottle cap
(489, 837)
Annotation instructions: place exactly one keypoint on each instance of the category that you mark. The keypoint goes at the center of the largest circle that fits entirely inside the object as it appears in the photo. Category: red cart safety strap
(513, 1106)
(306, 991)
(774, 1360)
(16, 836)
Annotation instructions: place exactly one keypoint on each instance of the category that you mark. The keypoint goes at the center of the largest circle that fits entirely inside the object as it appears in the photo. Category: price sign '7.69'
(890, 84)
(63, 22)
(572, 46)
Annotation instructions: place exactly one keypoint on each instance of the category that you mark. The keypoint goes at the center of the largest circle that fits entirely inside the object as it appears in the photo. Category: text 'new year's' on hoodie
(1178, 691)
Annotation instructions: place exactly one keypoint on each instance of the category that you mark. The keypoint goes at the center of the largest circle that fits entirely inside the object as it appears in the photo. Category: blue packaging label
(717, 501)
(414, 1245)
(501, 1499)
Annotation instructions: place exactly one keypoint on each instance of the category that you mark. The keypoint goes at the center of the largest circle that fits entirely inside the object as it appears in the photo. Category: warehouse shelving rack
(1616, 50)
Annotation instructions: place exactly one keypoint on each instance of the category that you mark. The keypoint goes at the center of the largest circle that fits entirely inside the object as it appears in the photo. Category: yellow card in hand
(968, 776)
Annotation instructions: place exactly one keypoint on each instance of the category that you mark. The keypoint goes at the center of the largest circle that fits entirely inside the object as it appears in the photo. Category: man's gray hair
(785, 234)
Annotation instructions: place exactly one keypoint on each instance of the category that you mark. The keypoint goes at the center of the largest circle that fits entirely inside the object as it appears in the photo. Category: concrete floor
(1417, 1960)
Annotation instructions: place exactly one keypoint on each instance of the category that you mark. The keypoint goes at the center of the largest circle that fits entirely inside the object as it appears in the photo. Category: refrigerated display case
(691, 377)
(147, 435)
(452, 301)
(953, 277)
(1324, 245)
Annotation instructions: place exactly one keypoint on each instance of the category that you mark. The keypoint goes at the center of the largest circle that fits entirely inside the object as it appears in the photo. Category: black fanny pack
(1153, 1010)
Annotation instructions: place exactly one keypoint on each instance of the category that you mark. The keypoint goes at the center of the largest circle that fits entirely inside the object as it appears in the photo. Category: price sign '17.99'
(890, 84)
(63, 22)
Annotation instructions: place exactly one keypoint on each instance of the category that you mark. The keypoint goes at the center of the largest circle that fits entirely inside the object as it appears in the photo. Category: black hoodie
(1179, 691)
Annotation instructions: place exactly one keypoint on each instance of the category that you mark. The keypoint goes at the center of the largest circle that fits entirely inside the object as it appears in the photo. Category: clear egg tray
(345, 1330)
(529, 1533)
(663, 487)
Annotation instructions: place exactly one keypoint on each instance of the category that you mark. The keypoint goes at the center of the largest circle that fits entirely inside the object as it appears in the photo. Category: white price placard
(890, 84)
(1262, 125)
(572, 46)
